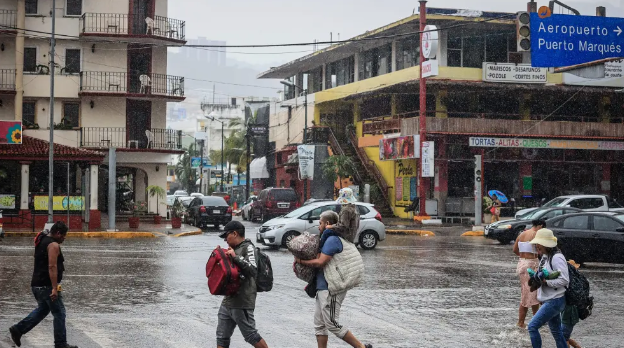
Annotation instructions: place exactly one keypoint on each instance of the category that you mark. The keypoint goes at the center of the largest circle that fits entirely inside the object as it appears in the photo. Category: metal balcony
(8, 21)
(104, 83)
(7, 81)
(133, 26)
(119, 137)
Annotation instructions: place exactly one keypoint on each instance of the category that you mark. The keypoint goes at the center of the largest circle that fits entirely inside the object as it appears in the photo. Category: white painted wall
(7, 57)
(107, 112)
(285, 132)
(161, 8)
(159, 114)
(63, 137)
(7, 111)
(159, 60)
(110, 57)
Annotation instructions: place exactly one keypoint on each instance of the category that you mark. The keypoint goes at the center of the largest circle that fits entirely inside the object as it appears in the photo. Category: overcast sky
(286, 21)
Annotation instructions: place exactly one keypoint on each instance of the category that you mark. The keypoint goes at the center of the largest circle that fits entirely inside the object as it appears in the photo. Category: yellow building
(482, 101)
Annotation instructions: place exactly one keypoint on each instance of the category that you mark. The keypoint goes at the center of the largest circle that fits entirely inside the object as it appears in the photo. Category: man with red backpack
(238, 309)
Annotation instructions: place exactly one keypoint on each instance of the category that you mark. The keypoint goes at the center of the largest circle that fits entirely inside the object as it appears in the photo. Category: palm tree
(338, 168)
(187, 176)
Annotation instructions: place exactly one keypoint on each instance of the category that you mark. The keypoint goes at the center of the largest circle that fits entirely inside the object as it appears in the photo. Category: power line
(352, 40)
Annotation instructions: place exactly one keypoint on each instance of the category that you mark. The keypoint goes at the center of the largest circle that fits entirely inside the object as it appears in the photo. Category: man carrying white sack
(340, 269)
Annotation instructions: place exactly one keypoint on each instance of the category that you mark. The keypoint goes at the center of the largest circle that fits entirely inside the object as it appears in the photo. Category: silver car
(279, 231)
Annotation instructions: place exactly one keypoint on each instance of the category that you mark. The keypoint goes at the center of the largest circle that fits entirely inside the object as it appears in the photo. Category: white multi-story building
(111, 82)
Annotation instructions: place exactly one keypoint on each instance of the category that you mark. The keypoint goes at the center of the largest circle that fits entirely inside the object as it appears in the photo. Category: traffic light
(523, 34)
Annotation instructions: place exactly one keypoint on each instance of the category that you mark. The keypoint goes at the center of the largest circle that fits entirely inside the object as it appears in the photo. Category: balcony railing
(7, 80)
(131, 83)
(515, 127)
(8, 20)
(132, 25)
(120, 137)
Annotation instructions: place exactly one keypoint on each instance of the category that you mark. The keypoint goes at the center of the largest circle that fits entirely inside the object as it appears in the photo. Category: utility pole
(423, 111)
(201, 166)
(248, 172)
(305, 139)
(222, 161)
(51, 108)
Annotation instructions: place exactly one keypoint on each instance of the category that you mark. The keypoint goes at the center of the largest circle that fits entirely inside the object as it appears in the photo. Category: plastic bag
(305, 246)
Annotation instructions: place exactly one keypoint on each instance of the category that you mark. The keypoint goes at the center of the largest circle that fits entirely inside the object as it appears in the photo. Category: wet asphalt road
(417, 292)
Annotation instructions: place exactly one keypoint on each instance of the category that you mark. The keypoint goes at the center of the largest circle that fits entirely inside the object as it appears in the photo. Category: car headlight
(504, 227)
(275, 227)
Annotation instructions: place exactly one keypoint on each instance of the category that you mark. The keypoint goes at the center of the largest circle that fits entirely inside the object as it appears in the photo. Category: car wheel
(368, 240)
(288, 236)
(244, 217)
(263, 218)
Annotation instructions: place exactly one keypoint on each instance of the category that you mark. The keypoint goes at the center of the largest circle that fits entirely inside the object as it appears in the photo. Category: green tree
(186, 175)
(338, 168)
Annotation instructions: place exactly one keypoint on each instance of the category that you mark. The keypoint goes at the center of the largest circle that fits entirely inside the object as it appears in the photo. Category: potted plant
(159, 193)
(487, 205)
(138, 209)
(177, 210)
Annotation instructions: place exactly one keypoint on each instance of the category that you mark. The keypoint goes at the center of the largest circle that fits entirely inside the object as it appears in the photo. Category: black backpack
(577, 293)
(264, 280)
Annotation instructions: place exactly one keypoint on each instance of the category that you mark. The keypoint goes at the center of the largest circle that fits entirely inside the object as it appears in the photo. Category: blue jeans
(46, 305)
(549, 312)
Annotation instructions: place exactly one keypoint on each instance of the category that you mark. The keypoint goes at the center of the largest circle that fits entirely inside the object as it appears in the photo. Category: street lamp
(211, 117)
(305, 126)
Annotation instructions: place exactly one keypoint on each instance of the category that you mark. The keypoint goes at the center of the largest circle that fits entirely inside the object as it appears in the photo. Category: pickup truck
(583, 202)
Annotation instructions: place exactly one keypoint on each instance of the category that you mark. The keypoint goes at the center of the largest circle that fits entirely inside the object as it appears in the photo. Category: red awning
(32, 149)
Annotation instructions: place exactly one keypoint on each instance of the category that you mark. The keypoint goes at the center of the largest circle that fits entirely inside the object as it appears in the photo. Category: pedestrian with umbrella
(498, 198)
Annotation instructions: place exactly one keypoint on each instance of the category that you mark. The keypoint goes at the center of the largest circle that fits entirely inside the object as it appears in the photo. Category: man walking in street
(238, 310)
(46, 286)
(340, 269)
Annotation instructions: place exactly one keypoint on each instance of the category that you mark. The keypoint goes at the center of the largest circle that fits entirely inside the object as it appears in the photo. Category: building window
(31, 7)
(28, 112)
(71, 114)
(289, 92)
(454, 49)
(30, 59)
(408, 53)
(471, 50)
(73, 8)
(72, 61)
(340, 73)
(375, 62)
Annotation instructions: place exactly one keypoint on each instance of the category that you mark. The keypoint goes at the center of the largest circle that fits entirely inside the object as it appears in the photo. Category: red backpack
(223, 275)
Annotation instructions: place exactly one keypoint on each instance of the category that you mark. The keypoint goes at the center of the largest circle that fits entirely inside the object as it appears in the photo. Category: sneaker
(368, 345)
(16, 336)
(68, 346)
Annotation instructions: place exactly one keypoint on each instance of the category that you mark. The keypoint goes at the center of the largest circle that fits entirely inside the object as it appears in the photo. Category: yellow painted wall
(405, 75)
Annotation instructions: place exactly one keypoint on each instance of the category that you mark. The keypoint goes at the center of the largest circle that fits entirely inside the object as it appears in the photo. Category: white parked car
(197, 194)
(600, 203)
(180, 193)
(246, 209)
(277, 232)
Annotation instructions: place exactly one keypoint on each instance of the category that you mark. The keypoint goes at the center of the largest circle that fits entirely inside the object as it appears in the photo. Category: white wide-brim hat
(545, 237)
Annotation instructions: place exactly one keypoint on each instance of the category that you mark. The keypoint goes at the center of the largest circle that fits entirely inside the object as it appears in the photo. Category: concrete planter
(176, 222)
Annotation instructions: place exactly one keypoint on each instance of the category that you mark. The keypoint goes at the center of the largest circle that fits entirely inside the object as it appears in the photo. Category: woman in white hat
(349, 219)
(552, 292)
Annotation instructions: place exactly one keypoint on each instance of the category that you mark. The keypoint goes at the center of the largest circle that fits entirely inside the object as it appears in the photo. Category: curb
(412, 232)
(191, 233)
(107, 235)
(473, 234)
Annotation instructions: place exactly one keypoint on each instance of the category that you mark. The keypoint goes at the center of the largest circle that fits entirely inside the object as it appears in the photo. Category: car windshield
(614, 204)
(284, 195)
(300, 211)
(557, 202)
(534, 214)
(213, 201)
(619, 217)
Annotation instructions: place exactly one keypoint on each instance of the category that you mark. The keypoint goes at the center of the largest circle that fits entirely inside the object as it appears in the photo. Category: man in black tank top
(45, 283)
